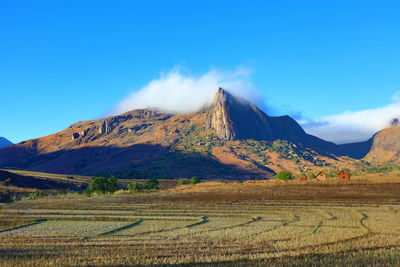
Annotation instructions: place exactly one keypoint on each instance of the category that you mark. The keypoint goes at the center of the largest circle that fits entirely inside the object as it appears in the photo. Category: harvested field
(258, 223)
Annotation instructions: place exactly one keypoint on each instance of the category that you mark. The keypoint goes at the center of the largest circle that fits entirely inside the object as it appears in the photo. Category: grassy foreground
(255, 223)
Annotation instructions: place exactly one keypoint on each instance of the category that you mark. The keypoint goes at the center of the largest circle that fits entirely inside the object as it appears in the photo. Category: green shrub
(102, 185)
(136, 187)
(32, 196)
(182, 182)
(284, 175)
(195, 180)
(152, 184)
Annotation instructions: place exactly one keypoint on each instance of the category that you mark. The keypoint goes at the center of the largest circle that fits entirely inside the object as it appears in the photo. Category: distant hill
(230, 139)
(4, 142)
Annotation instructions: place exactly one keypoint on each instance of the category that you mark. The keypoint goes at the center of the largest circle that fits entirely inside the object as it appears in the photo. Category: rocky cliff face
(233, 118)
(4, 142)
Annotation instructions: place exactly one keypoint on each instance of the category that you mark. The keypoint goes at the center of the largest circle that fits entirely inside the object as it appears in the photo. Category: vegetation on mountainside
(382, 169)
(367, 167)
(197, 139)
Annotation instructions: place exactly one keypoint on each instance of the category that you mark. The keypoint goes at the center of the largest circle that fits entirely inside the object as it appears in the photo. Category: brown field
(273, 223)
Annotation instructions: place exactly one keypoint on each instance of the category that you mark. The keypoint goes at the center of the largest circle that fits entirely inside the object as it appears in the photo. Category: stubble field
(258, 223)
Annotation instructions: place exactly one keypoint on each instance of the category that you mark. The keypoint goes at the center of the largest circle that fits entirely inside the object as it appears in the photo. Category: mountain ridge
(230, 139)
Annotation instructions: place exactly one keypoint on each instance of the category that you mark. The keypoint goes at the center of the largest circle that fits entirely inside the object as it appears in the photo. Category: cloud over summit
(178, 92)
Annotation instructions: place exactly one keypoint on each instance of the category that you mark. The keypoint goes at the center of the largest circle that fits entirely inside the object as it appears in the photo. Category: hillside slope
(231, 139)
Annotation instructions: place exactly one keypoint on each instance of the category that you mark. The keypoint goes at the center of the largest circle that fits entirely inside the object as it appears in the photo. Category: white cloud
(178, 92)
(353, 126)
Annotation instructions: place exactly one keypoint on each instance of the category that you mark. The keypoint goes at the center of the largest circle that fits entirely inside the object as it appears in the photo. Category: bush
(195, 180)
(102, 185)
(32, 196)
(152, 184)
(136, 187)
(284, 175)
(182, 182)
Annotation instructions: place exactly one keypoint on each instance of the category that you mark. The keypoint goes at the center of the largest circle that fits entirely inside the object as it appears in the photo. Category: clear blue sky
(66, 61)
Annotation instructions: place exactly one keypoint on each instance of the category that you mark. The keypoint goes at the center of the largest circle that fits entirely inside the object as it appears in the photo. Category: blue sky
(66, 61)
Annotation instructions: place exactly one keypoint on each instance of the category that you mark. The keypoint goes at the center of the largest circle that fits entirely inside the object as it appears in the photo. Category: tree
(195, 180)
(102, 185)
(136, 187)
(151, 184)
(284, 175)
(182, 182)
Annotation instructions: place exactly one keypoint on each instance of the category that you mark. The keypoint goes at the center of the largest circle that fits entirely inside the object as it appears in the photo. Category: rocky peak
(218, 117)
(235, 118)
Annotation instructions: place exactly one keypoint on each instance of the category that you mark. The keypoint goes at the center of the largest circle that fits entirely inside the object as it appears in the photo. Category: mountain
(231, 138)
(385, 146)
(4, 142)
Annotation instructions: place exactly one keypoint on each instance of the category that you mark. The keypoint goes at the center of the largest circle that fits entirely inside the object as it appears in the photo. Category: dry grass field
(261, 223)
